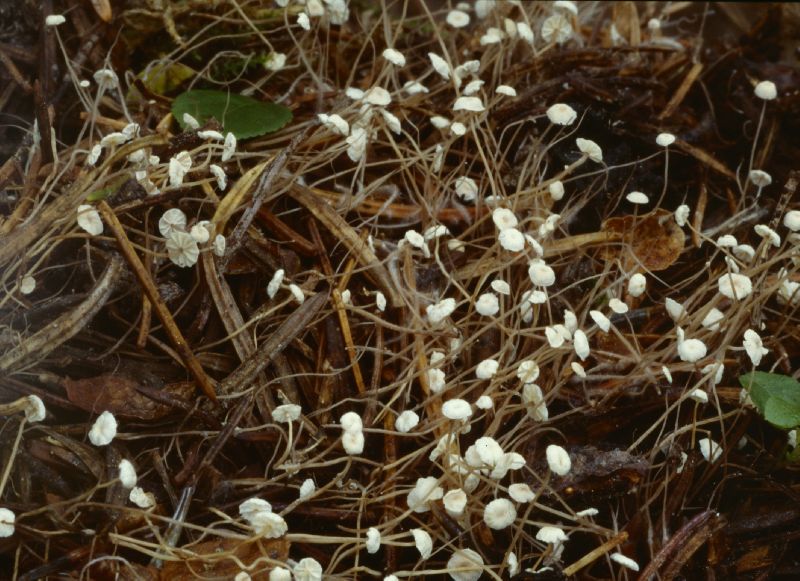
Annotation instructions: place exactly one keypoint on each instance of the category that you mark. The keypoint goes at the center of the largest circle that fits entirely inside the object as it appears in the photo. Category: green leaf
(243, 116)
(111, 188)
(776, 396)
(102, 194)
(782, 414)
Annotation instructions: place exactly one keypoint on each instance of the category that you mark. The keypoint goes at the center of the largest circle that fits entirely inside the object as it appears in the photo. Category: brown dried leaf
(67, 456)
(626, 19)
(652, 241)
(598, 474)
(217, 559)
(118, 394)
(103, 9)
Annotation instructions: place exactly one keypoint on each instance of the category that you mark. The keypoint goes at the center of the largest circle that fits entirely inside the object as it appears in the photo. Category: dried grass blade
(344, 325)
(230, 203)
(595, 554)
(64, 206)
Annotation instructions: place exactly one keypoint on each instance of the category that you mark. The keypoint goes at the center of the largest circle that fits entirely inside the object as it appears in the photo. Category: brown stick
(48, 62)
(234, 323)
(194, 466)
(344, 322)
(398, 211)
(265, 182)
(294, 324)
(680, 94)
(683, 545)
(144, 327)
(595, 554)
(285, 232)
(149, 288)
(44, 120)
(390, 456)
(15, 74)
(228, 310)
(699, 214)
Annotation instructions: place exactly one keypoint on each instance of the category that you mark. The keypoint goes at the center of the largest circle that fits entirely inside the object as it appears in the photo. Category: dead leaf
(626, 19)
(118, 394)
(58, 467)
(103, 9)
(63, 452)
(599, 474)
(652, 241)
(163, 78)
(215, 559)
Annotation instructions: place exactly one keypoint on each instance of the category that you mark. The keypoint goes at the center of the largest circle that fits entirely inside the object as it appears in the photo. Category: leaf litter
(231, 390)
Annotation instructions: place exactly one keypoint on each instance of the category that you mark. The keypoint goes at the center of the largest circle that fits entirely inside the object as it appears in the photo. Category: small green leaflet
(98, 195)
(243, 116)
(111, 188)
(776, 396)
